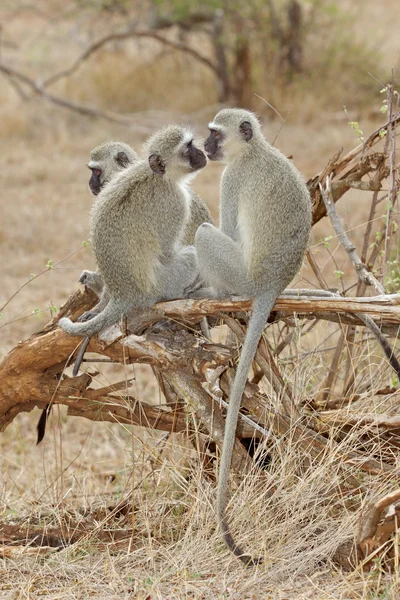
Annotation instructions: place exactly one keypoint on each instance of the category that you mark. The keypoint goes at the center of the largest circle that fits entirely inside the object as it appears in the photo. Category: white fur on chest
(184, 188)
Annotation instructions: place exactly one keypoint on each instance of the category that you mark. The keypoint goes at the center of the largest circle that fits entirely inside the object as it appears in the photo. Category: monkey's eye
(97, 172)
(216, 133)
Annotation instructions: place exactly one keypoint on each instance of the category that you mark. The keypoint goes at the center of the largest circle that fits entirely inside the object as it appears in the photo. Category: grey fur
(136, 224)
(265, 221)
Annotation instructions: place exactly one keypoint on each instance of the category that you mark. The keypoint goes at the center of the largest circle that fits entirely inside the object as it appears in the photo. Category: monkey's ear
(122, 159)
(156, 164)
(246, 131)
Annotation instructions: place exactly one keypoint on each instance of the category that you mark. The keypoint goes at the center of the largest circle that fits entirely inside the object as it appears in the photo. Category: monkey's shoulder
(135, 185)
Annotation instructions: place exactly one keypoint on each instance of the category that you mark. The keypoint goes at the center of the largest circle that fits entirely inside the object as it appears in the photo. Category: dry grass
(81, 469)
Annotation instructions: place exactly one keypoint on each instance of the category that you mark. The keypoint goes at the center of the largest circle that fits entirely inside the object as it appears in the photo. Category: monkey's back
(273, 214)
(134, 225)
(199, 214)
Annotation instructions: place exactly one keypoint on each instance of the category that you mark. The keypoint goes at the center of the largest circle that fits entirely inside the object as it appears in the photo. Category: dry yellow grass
(82, 467)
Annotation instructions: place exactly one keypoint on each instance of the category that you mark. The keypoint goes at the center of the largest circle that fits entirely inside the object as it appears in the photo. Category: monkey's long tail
(109, 316)
(262, 307)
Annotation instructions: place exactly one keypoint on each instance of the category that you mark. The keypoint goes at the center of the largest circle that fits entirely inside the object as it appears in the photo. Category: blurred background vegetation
(185, 55)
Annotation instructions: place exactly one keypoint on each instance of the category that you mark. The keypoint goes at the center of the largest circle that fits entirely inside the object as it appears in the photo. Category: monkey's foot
(202, 292)
(193, 287)
(87, 315)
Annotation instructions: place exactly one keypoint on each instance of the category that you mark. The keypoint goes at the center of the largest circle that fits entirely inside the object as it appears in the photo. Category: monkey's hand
(92, 280)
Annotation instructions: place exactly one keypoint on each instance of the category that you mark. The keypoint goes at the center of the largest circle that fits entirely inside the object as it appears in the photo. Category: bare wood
(28, 373)
(373, 165)
(116, 410)
(385, 307)
(352, 419)
(371, 533)
(209, 413)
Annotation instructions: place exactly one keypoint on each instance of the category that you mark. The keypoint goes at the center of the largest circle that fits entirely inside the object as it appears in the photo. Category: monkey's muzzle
(197, 159)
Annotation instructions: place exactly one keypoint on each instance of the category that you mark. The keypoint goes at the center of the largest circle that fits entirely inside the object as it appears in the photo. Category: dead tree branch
(373, 165)
(124, 35)
(82, 109)
(366, 277)
(378, 522)
(40, 88)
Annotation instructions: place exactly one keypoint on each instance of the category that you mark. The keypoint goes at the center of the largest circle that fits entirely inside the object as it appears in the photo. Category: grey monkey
(265, 222)
(106, 161)
(136, 226)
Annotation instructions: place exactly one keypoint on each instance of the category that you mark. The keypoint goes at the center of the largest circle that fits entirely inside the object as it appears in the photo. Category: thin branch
(123, 35)
(361, 270)
(79, 108)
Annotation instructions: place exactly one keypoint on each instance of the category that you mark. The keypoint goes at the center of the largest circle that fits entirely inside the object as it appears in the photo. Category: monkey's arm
(221, 262)
(228, 219)
(199, 214)
(178, 274)
(94, 281)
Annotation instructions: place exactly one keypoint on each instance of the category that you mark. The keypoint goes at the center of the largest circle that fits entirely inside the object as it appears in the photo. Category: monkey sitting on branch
(265, 222)
(136, 226)
(106, 162)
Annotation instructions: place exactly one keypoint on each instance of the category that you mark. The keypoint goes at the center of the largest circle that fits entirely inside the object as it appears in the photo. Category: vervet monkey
(106, 161)
(265, 222)
(136, 226)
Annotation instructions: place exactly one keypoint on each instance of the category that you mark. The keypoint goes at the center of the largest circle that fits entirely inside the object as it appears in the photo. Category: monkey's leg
(94, 281)
(178, 274)
(221, 262)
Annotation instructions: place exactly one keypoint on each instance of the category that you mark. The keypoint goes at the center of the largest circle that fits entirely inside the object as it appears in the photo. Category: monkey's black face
(197, 158)
(95, 183)
(212, 145)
